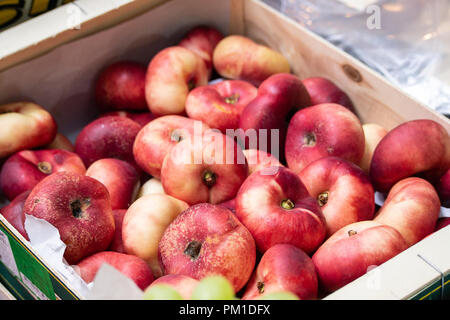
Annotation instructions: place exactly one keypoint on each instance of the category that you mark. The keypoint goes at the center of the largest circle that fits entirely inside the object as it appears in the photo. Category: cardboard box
(58, 67)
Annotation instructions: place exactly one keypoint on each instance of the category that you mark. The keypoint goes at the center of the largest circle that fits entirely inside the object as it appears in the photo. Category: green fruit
(280, 295)
(161, 292)
(213, 288)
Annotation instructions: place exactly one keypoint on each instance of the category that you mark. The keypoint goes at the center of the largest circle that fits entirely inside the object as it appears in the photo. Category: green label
(13, 285)
(25, 268)
(25, 274)
(32, 273)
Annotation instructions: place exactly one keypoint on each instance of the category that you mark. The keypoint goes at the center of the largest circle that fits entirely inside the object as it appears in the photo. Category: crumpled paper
(45, 239)
(108, 283)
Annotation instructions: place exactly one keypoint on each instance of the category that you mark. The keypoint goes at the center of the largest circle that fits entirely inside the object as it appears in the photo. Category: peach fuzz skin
(277, 97)
(79, 207)
(202, 40)
(24, 125)
(209, 173)
(13, 213)
(144, 224)
(207, 239)
(320, 131)
(283, 268)
(322, 90)
(342, 189)
(120, 178)
(171, 74)
(117, 243)
(240, 58)
(121, 86)
(417, 147)
(350, 251)
(220, 105)
(107, 137)
(412, 207)
(260, 160)
(278, 209)
(24, 169)
(157, 138)
(443, 188)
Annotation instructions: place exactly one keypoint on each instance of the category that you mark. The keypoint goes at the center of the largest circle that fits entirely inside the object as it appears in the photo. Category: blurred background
(407, 41)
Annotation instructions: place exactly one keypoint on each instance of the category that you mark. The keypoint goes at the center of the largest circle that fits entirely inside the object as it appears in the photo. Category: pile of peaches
(214, 159)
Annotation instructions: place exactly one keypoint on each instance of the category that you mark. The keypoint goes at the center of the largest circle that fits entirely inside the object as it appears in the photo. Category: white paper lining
(108, 283)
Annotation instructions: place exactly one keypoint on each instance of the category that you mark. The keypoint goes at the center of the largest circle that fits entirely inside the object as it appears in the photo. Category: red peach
(238, 57)
(220, 105)
(202, 40)
(417, 147)
(121, 86)
(133, 267)
(278, 96)
(157, 138)
(229, 204)
(142, 118)
(278, 209)
(284, 268)
(323, 130)
(412, 207)
(443, 188)
(24, 169)
(350, 251)
(260, 160)
(117, 243)
(107, 137)
(24, 125)
(171, 74)
(119, 177)
(205, 240)
(13, 212)
(322, 90)
(342, 189)
(213, 169)
(79, 207)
